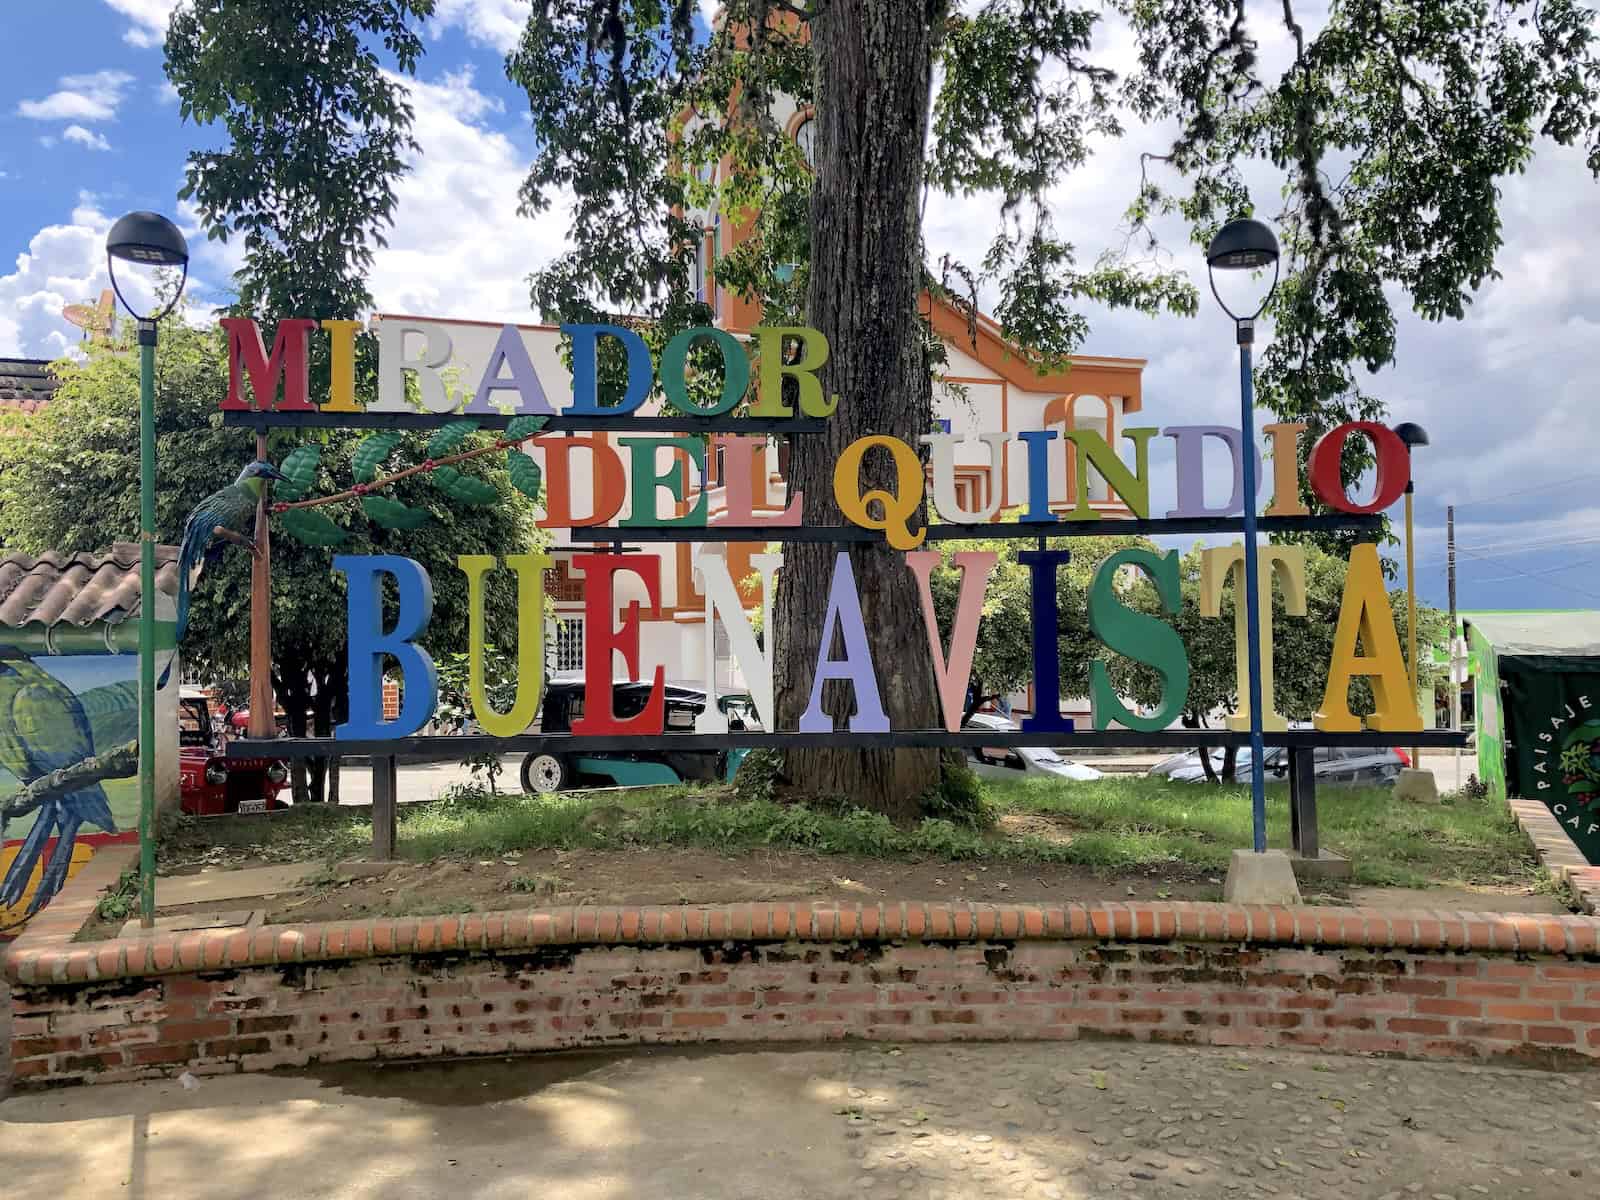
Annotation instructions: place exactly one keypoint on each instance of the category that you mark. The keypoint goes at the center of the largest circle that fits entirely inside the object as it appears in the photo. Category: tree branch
(113, 764)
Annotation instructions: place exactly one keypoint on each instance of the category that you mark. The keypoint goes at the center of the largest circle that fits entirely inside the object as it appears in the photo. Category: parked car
(1013, 762)
(1366, 766)
(208, 783)
(545, 772)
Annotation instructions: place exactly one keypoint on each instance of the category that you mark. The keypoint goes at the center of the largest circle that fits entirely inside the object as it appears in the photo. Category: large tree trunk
(873, 74)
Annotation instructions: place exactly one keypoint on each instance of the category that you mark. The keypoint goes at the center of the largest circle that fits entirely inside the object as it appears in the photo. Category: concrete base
(1327, 865)
(1416, 784)
(1264, 878)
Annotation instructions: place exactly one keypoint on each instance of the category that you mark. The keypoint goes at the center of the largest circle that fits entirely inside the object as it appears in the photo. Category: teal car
(544, 772)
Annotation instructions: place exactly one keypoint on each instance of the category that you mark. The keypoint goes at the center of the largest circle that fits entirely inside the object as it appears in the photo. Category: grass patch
(1118, 823)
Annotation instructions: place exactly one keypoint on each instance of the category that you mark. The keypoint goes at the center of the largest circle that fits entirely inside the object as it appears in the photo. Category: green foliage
(524, 473)
(122, 901)
(958, 797)
(300, 465)
(453, 713)
(318, 129)
(447, 438)
(311, 527)
(524, 427)
(758, 775)
(371, 453)
(391, 514)
(464, 488)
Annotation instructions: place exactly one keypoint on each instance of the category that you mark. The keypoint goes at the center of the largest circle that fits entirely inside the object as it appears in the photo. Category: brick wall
(1524, 988)
(1350, 1000)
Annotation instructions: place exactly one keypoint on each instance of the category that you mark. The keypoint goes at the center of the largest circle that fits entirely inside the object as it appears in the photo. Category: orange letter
(610, 484)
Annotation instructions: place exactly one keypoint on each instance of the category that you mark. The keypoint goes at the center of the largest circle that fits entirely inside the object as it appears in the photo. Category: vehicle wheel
(544, 774)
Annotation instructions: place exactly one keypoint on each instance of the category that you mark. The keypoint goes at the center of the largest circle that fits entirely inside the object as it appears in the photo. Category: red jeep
(208, 783)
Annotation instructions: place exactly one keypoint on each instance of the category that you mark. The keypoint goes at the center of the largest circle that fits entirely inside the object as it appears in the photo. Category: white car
(1017, 762)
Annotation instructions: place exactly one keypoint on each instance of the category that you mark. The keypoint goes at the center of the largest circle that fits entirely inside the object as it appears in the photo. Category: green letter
(1142, 638)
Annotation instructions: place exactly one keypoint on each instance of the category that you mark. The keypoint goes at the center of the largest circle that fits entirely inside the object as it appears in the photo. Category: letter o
(1327, 480)
(735, 371)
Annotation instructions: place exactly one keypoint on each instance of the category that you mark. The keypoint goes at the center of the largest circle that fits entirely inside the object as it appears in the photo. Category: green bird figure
(42, 729)
(223, 514)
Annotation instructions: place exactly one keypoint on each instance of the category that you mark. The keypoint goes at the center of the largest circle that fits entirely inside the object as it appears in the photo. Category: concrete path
(1040, 1122)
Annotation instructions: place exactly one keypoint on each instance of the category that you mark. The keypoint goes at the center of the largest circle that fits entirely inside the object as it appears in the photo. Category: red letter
(600, 641)
(1327, 480)
(288, 361)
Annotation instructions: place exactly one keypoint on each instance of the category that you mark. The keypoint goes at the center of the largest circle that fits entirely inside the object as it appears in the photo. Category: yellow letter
(1364, 614)
(1288, 565)
(342, 368)
(1132, 488)
(897, 508)
(530, 569)
(813, 353)
(1286, 500)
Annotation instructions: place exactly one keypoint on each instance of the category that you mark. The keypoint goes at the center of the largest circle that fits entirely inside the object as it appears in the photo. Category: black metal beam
(439, 748)
(317, 419)
(1109, 527)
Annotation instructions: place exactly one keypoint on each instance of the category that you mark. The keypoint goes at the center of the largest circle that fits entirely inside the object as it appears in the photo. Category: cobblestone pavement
(1040, 1121)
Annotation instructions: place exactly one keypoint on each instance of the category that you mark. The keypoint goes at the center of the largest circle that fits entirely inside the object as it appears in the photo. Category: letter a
(1365, 616)
(844, 614)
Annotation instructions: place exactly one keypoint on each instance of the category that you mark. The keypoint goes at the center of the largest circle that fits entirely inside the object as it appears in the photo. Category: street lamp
(148, 239)
(1413, 435)
(1248, 245)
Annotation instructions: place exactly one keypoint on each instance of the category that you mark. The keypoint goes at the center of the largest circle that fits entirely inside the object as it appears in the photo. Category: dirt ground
(661, 876)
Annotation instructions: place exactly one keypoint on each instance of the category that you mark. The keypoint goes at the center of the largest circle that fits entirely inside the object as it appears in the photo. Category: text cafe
(1365, 641)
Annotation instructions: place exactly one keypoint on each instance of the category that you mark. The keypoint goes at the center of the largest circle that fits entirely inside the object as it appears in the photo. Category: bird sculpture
(223, 514)
(43, 728)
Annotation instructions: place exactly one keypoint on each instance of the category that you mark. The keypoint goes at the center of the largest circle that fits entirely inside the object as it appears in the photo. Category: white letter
(754, 662)
(942, 461)
(393, 365)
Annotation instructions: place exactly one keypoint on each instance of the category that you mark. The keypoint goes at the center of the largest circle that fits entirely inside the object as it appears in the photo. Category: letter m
(246, 353)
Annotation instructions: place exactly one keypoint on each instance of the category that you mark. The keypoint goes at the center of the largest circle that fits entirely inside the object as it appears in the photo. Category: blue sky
(88, 132)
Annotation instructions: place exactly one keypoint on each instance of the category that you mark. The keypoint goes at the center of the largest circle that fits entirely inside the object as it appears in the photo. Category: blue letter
(369, 645)
(1047, 716)
(585, 350)
(1038, 443)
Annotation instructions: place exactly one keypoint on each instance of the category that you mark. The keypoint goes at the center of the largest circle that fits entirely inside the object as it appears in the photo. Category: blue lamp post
(1248, 245)
(148, 239)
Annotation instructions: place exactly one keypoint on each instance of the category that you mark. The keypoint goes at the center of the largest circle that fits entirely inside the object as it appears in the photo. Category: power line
(1542, 487)
(1582, 562)
(1509, 548)
(1553, 583)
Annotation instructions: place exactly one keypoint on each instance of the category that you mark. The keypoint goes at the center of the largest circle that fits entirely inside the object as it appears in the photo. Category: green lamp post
(147, 239)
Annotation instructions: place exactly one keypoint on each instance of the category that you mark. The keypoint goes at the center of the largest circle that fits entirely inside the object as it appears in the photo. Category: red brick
(1490, 1031)
(1552, 1035)
(1448, 1008)
(194, 1031)
(1473, 989)
(1519, 1012)
(1415, 1025)
(698, 1020)
(1449, 967)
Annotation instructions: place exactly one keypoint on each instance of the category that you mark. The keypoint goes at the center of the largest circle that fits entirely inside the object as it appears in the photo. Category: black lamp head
(1242, 244)
(148, 238)
(1412, 434)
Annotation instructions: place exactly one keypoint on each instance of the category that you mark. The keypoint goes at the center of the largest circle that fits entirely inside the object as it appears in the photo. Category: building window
(805, 136)
(712, 289)
(700, 271)
(560, 585)
(569, 644)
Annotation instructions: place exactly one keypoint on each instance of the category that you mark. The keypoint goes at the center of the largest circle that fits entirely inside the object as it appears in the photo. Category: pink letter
(739, 476)
(952, 674)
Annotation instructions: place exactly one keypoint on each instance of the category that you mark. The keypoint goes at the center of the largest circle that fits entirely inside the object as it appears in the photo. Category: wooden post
(262, 722)
(385, 789)
(1303, 802)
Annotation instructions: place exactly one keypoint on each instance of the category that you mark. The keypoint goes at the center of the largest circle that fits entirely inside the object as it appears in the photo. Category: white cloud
(497, 23)
(166, 93)
(149, 17)
(458, 247)
(80, 98)
(64, 264)
(86, 138)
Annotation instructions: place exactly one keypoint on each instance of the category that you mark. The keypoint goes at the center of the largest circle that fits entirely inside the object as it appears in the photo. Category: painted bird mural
(224, 514)
(42, 729)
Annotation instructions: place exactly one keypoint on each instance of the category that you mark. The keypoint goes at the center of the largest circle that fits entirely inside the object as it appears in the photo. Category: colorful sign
(895, 506)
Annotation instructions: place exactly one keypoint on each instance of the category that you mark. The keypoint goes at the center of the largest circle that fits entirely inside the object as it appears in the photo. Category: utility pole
(1455, 679)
